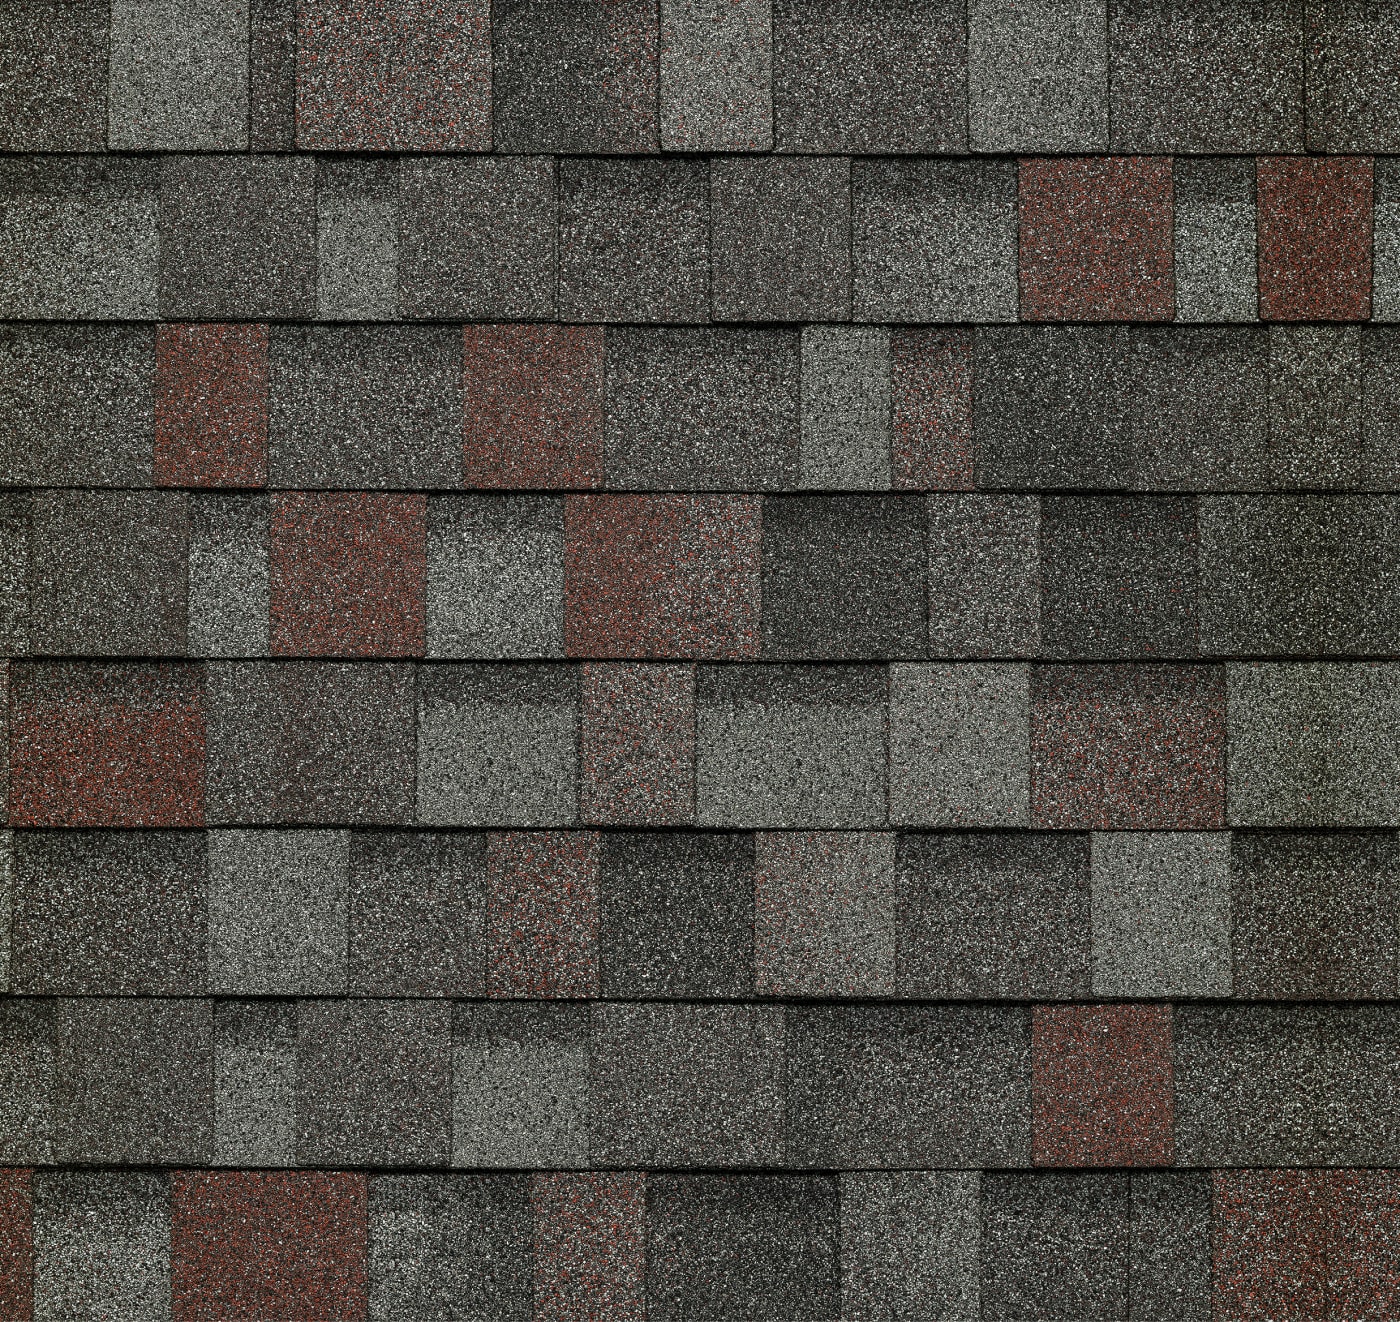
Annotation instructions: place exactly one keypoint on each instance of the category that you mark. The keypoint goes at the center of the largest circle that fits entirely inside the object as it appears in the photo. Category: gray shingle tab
(846, 408)
(53, 76)
(255, 1083)
(357, 240)
(715, 75)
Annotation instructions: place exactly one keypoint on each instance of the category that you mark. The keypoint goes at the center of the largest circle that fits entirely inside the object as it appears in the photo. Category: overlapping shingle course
(698, 659)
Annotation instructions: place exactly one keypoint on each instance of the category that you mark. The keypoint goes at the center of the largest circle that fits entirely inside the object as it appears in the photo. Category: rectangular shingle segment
(781, 238)
(17, 1241)
(590, 1245)
(1385, 237)
(477, 238)
(715, 75)
(1037, 75)
(272, 74)
(357, 240)
(15, 528)
(1170, 1255)
(910, 1241)
(228, 576)
(908, 1086)
(178, 75)
(27, 1072)
(255, 1072)
(931, 410)
(934, 240)
(877, 76)
(983, 915)
(846, 420)
(520, 1081)
(53, 72)
(959, 745)
(1216, 248)
(1316, 409)
(79, 238)
(1352, 65)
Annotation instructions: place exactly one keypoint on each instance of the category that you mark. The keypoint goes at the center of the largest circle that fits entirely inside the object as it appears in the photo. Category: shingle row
(547, 1085)
(701, 915)
(823, 408)
(707, 577)
(693, 240)
(754, 75)
(962, 1246)
(1068, 747)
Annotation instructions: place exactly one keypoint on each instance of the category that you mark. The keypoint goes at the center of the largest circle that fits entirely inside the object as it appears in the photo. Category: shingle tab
(846, 418)
(1170, 1257)
(178, 76)
(272, 74)
(1216, 248)
(1352, 64)
(1038, 75)
(590, 1246)
(715, 77)
(781, 238)
(27, 1114)
(634, 240)
(228, 576)
(908, 1086)
(17, 1242)
(931, 388)
(1316, 409)
(357, 240)
(742, 1246)
(53, 69)
(879, 76)
(255, 1083)
(934, 240)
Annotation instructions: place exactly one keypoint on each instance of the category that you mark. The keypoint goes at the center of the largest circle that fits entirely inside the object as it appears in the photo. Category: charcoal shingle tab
(53, 72)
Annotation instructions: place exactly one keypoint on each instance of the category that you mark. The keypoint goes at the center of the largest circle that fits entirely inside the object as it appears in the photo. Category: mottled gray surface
(108, 573)
(272, 55)
(1055, 1246)
(704, 410)
(178, 75)
(476, 238)
(991, 915)
(1161, 913)
(53, 76)
(1216, 259)
(781, 239)
(1314, 744)
(824, 913)
(365, 406)
(716, 75)
(16, 509)
(255, 1074)
(277, 912)
(1037, 75)
(26, 1081)
(111, 912)
(846, 418)
(498, 746)
(1315, 407)
(634, 240)
(374, 1083)
(910, 1244)
(1170, 1253)
(1352, 67)
(960, 745)
(687, 1085)
(934, 240)
(520, 1086)
(908, 1086)
(76, 405)
(79, 238)
(357, 240)
(228, 576)
(790, 746)
(101, 1246)
(496, 577)
(450, 1247)
(983, 575)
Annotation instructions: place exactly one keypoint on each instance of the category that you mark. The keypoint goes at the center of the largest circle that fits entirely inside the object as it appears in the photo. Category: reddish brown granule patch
(637, 744)
(542, 924)
(95, 745)
(931, 389)
(533, 406)
(1101, 1085)
(1363, 1246)
(1096, 239)
(394, 75)
(247, 1246)
(1315, 218)
(16, 1245)
(1270, 1246)
(348, 574)
(1128, 747)
(662, 576)
(590, 1236)
(211, 406)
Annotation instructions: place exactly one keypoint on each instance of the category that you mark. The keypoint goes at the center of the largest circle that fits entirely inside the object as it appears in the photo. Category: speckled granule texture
(661, 576)
(1096, 239)
(347, 574)
(1128, 747)
(247, 1245)
(1101, 1088)
(542, 934)
(16, 1244)
(637, 744)
(1315, 218)
(590, 1247)
(1270, 1245)
(533, 412)
(931, 398)
(106, 745)
(211, 406)
(394, 75)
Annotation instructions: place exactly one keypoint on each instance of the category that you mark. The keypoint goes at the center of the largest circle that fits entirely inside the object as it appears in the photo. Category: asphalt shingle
(255, 1083)
(53, 72)
(357, 240)
(715, 75)
(1216, 239)
(846, 409)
